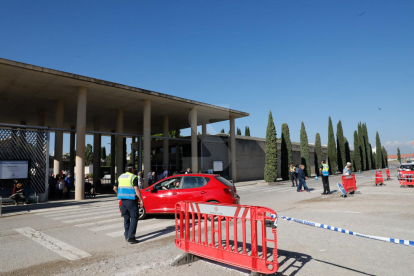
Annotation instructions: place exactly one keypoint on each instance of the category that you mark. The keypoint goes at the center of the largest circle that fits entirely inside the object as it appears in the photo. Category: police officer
(293, 175)
(128, 191)
(324, 171)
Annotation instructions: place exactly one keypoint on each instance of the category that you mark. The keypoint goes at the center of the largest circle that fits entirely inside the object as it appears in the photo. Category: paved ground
(85, 238)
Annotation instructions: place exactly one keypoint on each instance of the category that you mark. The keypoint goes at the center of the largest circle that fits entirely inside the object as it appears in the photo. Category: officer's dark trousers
(294, 178)
(325, 181)
(129, 209)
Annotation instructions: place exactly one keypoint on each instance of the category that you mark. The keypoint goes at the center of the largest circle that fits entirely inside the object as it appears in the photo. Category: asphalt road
(86, 238)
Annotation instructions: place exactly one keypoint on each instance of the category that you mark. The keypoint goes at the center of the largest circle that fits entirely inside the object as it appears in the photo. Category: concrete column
(80, 144)
(57, 162)
(204, 128)
(194, 150)
(113, 158)
(177, 152)
(165, 155)
(96, 153)
(233, 149)
(72, 151)
(147, 139)
(119, 143)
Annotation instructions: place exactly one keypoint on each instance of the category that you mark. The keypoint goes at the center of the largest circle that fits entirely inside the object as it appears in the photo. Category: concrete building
(35, 96)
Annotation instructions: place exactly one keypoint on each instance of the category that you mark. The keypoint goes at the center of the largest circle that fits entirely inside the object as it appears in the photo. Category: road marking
(80, 211)
(98, 222)
(53, 210)
(117, 225)
(145, 228)
(90, 214)
(57, 246)
(91, 218)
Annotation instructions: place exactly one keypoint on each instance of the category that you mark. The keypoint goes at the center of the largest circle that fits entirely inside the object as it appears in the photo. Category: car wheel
(142, 213)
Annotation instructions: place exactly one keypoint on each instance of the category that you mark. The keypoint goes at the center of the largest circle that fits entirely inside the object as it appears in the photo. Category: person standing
(302, 178)
(59, 188)
(68, 185)
(128, 191)
(324, 171)
(347, 170)
(188, 171)
(165, 173)
(140, 181)
(293, 175)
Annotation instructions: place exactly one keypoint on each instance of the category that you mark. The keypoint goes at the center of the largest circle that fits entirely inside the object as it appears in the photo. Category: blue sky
(303, 60)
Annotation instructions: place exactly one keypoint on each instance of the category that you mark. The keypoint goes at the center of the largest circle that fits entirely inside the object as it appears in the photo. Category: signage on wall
(14, 169)
(218, 166)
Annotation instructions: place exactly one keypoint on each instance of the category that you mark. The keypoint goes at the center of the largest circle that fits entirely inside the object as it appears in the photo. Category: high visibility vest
(325, 170)
(126, 186)
(292, 169)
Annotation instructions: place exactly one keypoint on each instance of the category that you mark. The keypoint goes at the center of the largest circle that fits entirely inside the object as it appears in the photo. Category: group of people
(60, 185)
(155, 177)
(299, 173)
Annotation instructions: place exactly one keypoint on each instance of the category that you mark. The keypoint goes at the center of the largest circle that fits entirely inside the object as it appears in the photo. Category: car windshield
(169, 184)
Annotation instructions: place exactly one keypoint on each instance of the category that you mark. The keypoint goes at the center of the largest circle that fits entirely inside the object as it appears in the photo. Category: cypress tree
(304, 150)
(378, 151)
(362, 147)
(341, 146)
(286, 152)
(222, 130)
(238, 131)
(318, 153)
(366, 140)
(331, 149)
(398, 154)
(270, 171)
(374, 158)
(347, 151)
(357, 153)
(247, 131)
(384, 157)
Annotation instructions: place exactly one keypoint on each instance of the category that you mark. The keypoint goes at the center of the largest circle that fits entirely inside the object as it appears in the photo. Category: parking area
(93, 234)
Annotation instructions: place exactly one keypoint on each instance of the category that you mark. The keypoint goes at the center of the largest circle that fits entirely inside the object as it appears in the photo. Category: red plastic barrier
(348, 181)
(406, 178)
(217, 220)
(388, 174)
(378, 178)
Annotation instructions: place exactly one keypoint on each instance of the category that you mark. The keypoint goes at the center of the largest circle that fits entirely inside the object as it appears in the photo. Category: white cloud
(406, 147)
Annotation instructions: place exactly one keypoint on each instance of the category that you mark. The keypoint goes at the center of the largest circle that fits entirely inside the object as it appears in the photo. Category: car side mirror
(153, 190)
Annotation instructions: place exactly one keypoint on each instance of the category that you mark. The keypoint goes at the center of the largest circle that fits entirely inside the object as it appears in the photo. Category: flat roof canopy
(26, 89)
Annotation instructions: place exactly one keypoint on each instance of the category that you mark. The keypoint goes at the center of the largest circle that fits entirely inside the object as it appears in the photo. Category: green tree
(247, 131)
(341, 146)
(88, 154)
(366, 143)
(304, 150)
(103, 153)
(270, 171)
(331, 149)
(378, 151)
(384, 157)
(318, 153)
(398, 154)
(238, 131)
(374, 158)
(362, 147)
(347, 151)
(222, 130)
(357, 153)
(286, 152)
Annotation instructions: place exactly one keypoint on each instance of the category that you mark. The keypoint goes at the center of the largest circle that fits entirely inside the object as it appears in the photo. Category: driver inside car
(174, 186)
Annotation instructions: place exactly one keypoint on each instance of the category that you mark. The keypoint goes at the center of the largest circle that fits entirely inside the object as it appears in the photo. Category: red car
(160, 198)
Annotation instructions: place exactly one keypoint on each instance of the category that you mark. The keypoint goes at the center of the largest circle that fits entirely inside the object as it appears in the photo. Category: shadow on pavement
(24, 209)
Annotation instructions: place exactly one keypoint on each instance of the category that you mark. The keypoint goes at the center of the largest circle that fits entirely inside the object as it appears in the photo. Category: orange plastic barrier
(388, 174)
(378, 178)
(217, 220)
(406, 178)
(348, 181)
